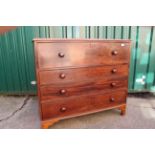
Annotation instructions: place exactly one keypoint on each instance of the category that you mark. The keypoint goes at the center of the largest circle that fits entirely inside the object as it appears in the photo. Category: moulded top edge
(79, 40)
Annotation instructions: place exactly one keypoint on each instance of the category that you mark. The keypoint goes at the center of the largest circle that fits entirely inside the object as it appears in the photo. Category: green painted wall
(17, 68)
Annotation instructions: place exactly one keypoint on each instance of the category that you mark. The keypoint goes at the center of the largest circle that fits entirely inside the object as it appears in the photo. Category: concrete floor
(23, 113)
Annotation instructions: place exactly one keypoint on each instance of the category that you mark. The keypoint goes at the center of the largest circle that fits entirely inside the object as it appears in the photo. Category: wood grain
(80, 54)
(85, 87)
(81, 104)
(75, 75)
(80, 76)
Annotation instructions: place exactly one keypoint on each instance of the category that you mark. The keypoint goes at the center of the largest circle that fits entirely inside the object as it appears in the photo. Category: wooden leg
(46, 124)
(123, 109)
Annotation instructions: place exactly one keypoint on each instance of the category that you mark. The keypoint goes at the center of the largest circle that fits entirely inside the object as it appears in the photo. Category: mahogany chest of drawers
(78, 77)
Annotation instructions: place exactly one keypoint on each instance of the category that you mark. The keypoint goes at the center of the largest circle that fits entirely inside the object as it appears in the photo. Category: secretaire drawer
(64, 76)
(81, 54)
(72, 106)
(63, 91)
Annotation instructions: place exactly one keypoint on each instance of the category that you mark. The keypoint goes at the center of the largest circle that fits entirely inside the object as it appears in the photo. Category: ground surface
(23, 113)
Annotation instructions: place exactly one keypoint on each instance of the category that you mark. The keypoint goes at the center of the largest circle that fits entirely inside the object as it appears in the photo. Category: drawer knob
(63, 91)
(114, 52)
(63, 109)
(62, 76)
(112, 99)
(114, 70)
(61, 55)
(113, 84)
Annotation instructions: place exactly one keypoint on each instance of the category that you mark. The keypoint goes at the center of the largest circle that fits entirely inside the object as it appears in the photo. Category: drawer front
(61, 108)
(63, 91)
(81, 54)
(69, 76)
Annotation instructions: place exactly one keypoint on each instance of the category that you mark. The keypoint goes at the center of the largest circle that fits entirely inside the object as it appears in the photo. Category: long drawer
(72, 106)
(60, 54)
(74, 75)
(80, 88)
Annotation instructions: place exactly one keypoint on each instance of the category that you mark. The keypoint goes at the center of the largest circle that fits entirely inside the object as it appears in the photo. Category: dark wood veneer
(80, 76)
(80, 54)
(74, 106)
(72, 75)
(53, 91)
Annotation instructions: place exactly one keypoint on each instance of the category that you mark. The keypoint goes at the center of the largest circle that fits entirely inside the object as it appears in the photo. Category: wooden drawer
(64, 76)
(80, 88)
(61, 108)
(80, 54)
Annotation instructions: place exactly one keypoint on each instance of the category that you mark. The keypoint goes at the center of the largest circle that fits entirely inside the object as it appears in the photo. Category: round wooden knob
(63, 109)
(112, 99)
(114, 52)
(62, 75)
(63, 91)
(61, 54)
(114, 70)
(113, 84)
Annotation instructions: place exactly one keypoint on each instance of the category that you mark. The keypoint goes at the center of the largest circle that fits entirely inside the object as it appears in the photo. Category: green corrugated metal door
(17, 68)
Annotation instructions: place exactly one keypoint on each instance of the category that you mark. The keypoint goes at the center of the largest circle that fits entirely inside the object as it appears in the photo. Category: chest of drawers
(78, 77)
